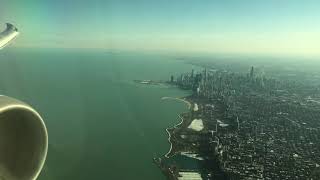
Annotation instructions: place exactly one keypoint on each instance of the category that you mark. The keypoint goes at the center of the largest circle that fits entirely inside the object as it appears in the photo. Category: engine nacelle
(23, 141)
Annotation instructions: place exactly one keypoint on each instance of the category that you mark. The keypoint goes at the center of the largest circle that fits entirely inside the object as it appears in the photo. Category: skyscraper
(251, 72)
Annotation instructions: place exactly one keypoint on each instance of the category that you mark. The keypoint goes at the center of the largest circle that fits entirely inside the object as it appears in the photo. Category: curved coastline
(169, 138)
(178, 99)
(167, 129)
(167, 154)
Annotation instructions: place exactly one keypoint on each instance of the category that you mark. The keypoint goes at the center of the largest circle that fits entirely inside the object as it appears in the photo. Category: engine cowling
(23, 140)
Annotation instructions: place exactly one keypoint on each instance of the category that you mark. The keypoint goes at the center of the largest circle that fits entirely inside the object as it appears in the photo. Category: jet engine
(23, 140)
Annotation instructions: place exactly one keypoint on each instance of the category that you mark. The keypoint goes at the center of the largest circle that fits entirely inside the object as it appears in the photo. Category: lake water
(101, 125)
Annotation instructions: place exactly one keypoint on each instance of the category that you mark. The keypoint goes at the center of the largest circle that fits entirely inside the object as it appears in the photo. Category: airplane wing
(8, 35)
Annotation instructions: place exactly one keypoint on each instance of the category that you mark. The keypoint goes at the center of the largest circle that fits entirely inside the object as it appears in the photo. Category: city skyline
(246, 27)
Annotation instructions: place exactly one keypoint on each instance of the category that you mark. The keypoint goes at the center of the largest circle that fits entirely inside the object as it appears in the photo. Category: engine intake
(23, 140)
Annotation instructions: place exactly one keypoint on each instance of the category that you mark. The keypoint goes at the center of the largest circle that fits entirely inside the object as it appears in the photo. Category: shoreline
(169, 138)
(178, 99)
(175, 126)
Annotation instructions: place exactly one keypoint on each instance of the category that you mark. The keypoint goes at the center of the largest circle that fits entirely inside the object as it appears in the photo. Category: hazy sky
(218, 26)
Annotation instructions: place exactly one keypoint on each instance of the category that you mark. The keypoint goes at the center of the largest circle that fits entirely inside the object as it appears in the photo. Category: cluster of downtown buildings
(253, 127)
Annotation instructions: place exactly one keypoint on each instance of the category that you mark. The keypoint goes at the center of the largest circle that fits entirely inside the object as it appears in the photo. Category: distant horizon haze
(284, 28)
